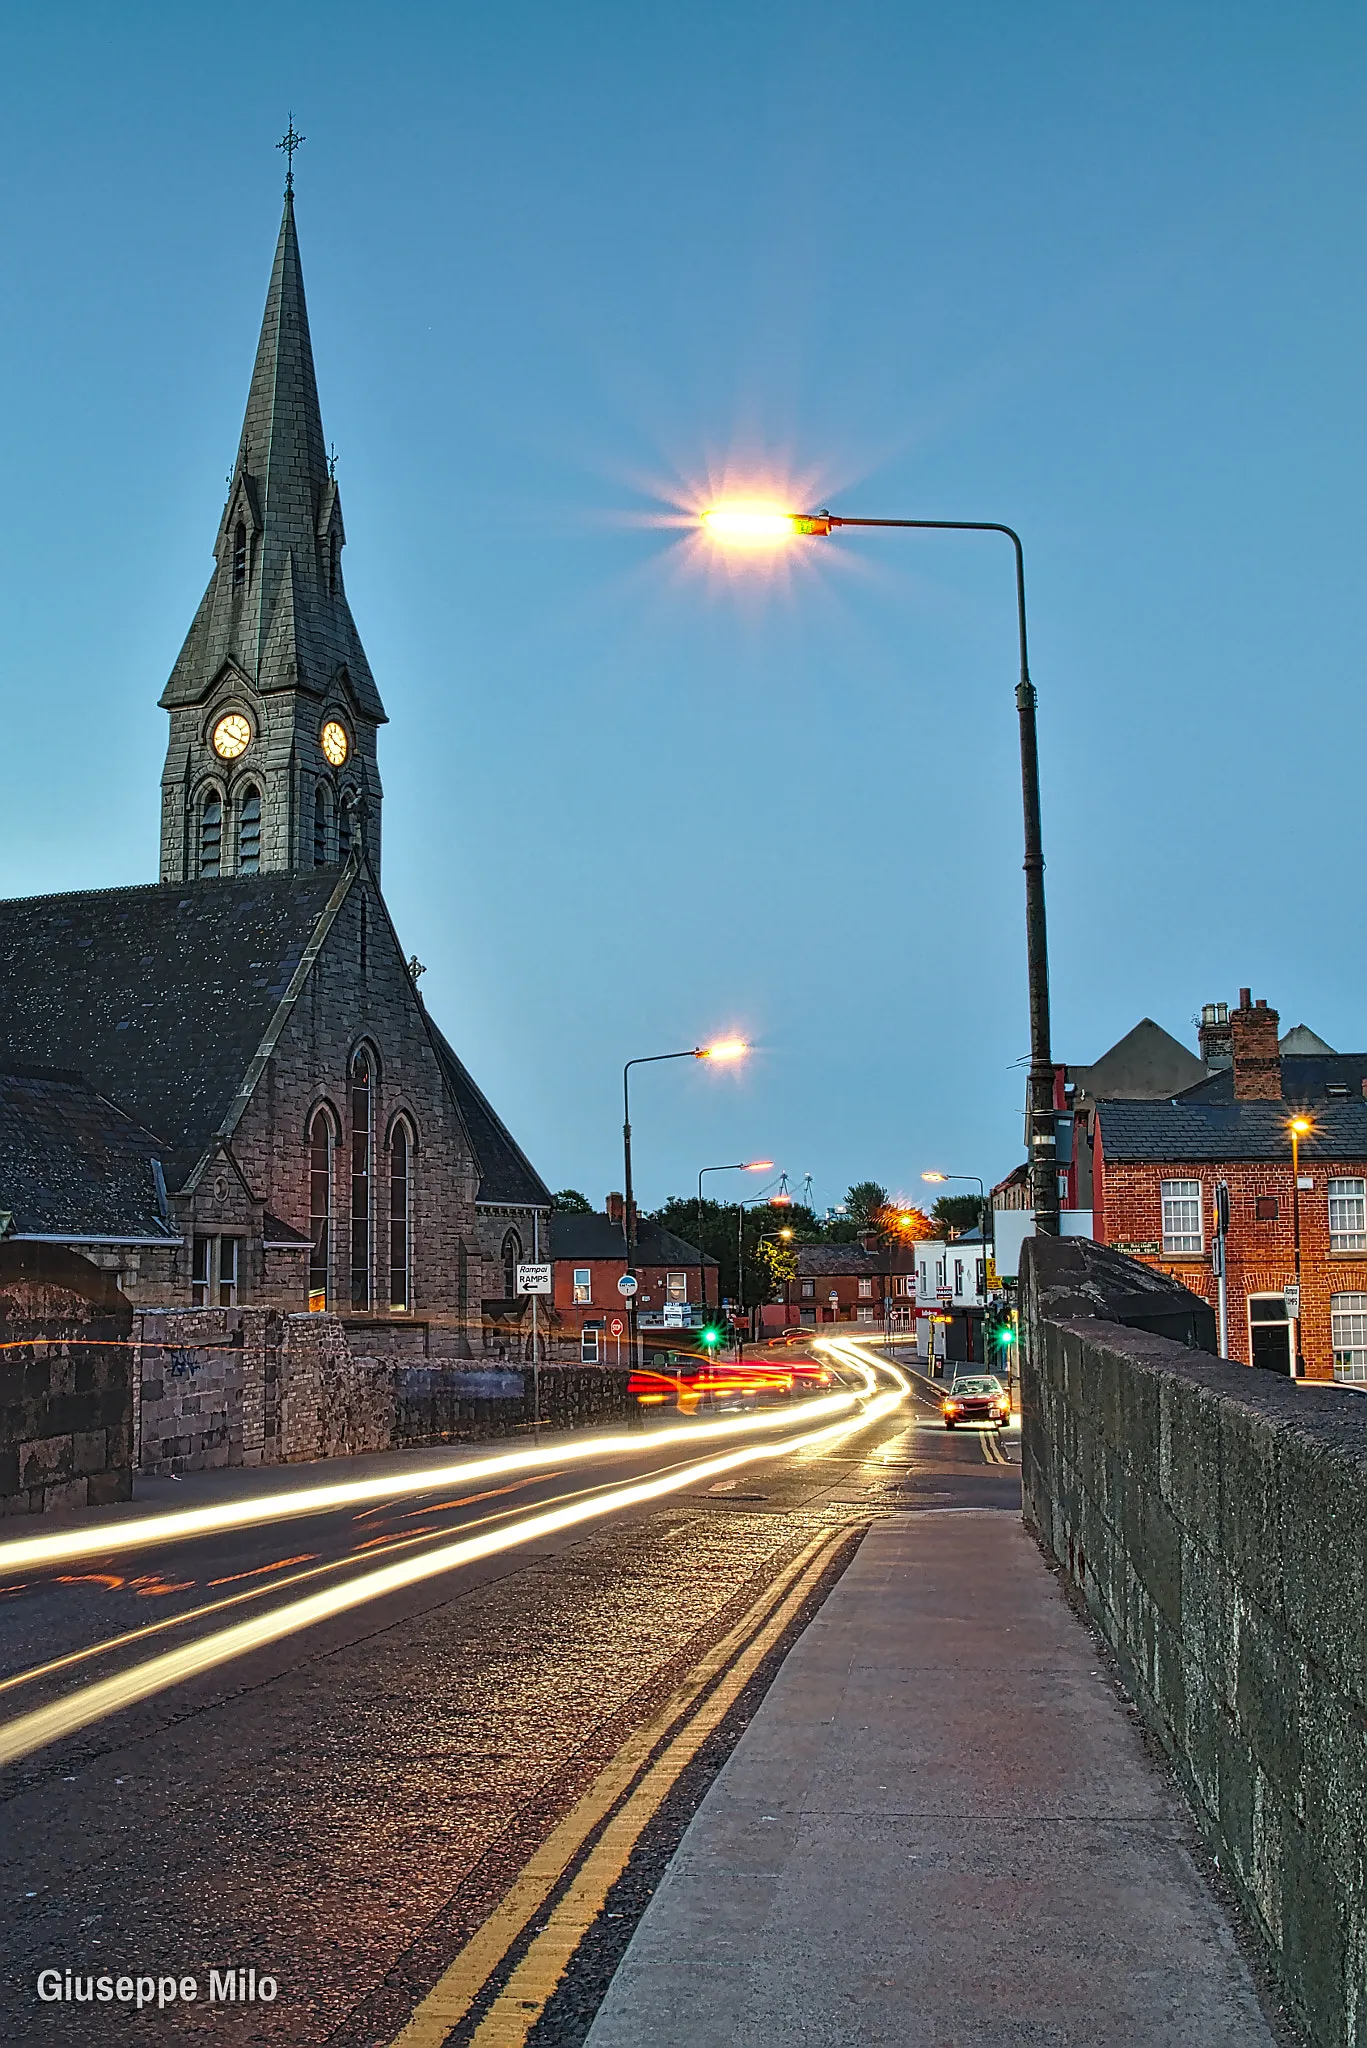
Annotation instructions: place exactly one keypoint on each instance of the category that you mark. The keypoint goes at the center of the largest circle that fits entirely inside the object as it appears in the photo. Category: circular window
(335, 743)
(232, 736)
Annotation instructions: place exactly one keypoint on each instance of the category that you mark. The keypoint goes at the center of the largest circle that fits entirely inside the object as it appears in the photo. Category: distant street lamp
(940, 1178)
(1299, 1127)
(767, 526)
(740, 1166)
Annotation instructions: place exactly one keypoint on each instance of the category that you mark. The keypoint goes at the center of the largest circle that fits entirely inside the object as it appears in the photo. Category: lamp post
(740, 1166)
(938, 1178)
(758, 526)
(722, 1049)
(1300, 1127)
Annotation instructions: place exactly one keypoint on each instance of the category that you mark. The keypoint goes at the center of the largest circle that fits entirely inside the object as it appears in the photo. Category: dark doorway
(1271, 1334)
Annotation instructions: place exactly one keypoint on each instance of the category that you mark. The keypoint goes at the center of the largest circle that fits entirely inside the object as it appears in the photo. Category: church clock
(232, 736)
(334, 742)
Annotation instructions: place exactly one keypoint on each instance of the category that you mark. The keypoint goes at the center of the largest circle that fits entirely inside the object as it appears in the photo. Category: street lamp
(722, 1049)
(752, 525)
(940, 1178)
(740, 1166)
(1299, 1127)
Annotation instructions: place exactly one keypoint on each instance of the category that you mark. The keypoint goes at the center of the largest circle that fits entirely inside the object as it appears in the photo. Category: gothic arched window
(512, 1259)
(362, 1128)
(320, 1210)
(211, 835)
(239, 556)
(249, 832)
(344, 826)
(320, 827)
(400, 1219)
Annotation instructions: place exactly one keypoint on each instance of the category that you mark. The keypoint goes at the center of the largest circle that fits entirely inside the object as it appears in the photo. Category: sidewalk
(941, 1830)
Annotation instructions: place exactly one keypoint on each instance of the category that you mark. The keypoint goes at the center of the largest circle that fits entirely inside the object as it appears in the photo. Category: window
(1182, 1230)
(344, 827)
(1348, 1329)
(320, 1210)
(808, 1290)
(1347, 1215)
(866, 1315)
(588, 1344)
(925, 1277)
(980, 1278)
(400, 1156)
(320, 827)
(512, 1259)
(958, 1276)
(213, 1272)
(249, 833)
(361, 1120)
(583, 1286)
(865, 1289)
(211, 835)
(676, 1286)
(239, 556)
(1265, 1208)
(939, 1272)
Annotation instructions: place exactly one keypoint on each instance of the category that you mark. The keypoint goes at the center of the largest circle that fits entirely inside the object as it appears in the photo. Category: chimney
(870, 1240)
(616, 1208)
(1257, 1061)
(1217, 1044)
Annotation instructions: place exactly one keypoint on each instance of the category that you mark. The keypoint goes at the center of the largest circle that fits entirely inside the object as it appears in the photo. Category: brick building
(1157, 1166)
(852, 1283)
(317, 1141)
(588, 1257)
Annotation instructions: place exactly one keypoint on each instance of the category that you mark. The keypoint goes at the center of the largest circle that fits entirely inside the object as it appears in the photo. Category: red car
(979, 1398)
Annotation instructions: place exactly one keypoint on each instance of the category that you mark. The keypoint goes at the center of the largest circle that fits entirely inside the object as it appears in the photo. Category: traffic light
(1001, 1332)
(709, 1337)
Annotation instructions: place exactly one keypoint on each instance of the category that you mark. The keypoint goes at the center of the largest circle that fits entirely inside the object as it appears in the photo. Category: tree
(957, 1213)
(570, 1202)
(863, 1202)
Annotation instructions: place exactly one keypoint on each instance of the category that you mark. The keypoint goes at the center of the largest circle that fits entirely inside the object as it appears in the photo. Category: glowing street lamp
(1299, 1127)
(939, 1180)
(754, 525)
(721, 1049)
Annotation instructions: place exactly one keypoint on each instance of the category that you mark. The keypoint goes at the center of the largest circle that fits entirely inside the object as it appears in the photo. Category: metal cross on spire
(289, 142)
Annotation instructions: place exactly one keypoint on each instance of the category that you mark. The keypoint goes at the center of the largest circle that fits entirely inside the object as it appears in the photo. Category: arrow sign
(628, 1284)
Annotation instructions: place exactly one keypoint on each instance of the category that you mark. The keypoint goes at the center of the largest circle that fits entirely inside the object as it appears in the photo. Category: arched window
(320, 1210)
(239, 556)
(320, 827)
(512, 1259)
(249, 832)
(344, 826)
(211, 835)
(400, 1212)
(362, 1125)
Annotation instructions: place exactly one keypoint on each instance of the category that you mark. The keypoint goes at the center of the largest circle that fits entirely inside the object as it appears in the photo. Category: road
(401, 1799)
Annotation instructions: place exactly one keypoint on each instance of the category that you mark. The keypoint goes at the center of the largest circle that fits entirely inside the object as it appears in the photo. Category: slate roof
(160, 995)
(506, 1175)
(596, 1236)
(839, 1259)
(72, 1163)
(1306, 1080)
(1144, 1065)
(1200, 1130)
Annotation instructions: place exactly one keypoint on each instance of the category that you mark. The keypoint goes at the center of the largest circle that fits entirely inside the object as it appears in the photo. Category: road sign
(628, 1284)
(676, 1315)
(1293, 1301)
(991, 1274)
(533, 1279)
(944, 1294)
(615, 1327)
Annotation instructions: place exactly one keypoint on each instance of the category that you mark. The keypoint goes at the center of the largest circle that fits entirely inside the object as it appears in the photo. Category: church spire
(274, 640)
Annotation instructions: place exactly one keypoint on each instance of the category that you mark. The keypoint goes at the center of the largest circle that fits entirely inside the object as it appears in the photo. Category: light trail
(30, 1551)
(93, 1702)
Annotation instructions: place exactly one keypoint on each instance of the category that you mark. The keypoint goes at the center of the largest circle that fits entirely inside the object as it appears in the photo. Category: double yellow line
(601, 1832)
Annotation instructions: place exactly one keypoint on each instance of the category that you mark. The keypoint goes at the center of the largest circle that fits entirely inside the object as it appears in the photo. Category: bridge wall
(1214, 1520)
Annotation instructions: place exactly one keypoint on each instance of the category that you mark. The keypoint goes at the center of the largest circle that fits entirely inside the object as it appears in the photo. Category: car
(976, 1397)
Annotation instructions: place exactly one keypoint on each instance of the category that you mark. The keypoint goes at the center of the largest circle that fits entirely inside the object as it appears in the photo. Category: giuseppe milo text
(226, 1987)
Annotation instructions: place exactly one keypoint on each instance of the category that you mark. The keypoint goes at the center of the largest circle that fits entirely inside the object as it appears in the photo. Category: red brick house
(1158, 1164)
(850, 1283)
(588, 1258)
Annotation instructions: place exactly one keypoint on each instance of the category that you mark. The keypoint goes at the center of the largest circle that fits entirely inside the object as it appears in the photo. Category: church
(224, 1087)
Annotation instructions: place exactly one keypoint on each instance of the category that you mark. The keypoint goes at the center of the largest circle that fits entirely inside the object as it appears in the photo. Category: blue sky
(1096, 272)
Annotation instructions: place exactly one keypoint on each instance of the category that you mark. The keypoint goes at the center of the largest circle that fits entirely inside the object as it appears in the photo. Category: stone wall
(1214, 1520)
(66, 1412)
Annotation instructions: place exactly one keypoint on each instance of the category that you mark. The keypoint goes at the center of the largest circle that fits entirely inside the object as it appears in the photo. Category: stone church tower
(271, 764)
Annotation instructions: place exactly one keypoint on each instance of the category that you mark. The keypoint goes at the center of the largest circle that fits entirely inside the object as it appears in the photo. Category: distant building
(852, 1283)
(1158, 1164)
(675, 1285)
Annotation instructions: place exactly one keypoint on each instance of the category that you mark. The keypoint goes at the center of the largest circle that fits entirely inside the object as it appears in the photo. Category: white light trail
(31, 1552)
(44, 1725)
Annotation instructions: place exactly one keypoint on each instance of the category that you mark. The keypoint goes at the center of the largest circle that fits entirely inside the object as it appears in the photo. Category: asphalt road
(347, 1810)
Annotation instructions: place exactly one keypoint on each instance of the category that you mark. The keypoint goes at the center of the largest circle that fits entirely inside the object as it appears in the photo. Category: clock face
(334, 742)
(232, 736)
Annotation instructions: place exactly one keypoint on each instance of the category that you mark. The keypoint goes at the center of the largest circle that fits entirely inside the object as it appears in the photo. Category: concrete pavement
(941, 1829)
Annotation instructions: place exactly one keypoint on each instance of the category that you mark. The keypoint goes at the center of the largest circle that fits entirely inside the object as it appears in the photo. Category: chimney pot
(1245, 998)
